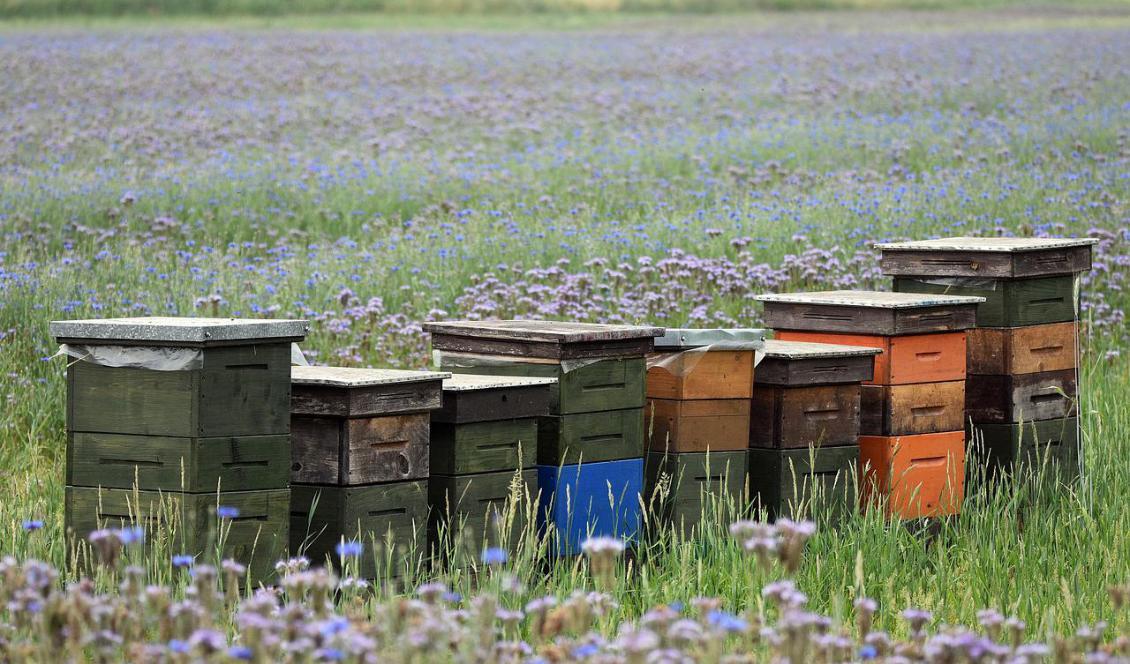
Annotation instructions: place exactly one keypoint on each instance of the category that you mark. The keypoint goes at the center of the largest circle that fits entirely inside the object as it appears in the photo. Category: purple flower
(495, 556)
(726, 622)
(183, 560)
(350, 549)
(227, 512)
(241, 653)
(32, 524)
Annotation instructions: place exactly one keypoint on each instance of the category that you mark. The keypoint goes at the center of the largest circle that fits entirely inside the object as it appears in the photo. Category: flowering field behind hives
(662, 172)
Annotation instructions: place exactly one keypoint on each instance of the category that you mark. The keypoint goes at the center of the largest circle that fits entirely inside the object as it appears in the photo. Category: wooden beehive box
(703, 364)
(915, 476)
(354, 426)
(1021, 398)
(472, 512)
(387, 519)
(805, 483)
(697, 425)
(694, 482)
(1008, 302)
(905, 360)
(552, 340)
(589, 499)
(587, 437)
(1023, 350)
(871, 313)
(1044, 448)
(898, 410)
(809, 394)
(987, 257)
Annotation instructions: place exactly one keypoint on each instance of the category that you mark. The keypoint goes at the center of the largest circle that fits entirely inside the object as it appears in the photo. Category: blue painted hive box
(590, 499)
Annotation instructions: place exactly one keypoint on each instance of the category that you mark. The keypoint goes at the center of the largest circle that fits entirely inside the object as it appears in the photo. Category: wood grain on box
(921, 358)
(896, 410)
(697, 425)
(794, 363)
(1023, 350)
(699, 374)
(915, 476)
(996, 257)
(360, 450)
(1008, 303)
(795, 417)
(484, 398)
(472, 512)
(483, 447)
(870, 312)
(358, 392)
(590, 437)
(543, 339)
(1021, 398)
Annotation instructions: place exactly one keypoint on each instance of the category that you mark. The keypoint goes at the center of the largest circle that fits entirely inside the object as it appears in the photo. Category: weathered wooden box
(812, 483)
(898, 410)
(697, 425)
(581, 386)
(472, 512)
(913, 477)
(389, 520)
(797, 363)
(918, 358)
(681, 486)
(354, 426)
(589, 437)
(1004, 399)
(257, 536)
(543, 339)
(1023, 350)
(871, 313)
(798, 417)
(471, 398)
(590, 499)
(987, 257)
(1044, 448)
(703, 364)
(1008, 302)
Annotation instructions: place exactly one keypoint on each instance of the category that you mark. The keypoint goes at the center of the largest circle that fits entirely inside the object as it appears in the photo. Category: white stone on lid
(805, 350)
(1007, 245)
(472, 382)
(873, 299)
(173, 330)
(360, 377)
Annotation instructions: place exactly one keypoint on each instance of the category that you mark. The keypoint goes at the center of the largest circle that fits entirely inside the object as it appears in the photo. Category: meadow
(655, 169)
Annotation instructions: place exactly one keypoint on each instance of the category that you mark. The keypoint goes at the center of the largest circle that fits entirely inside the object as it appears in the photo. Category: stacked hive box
(912, 440)
(805, 419)
(192, 412)
(484, 453)
(1021, 390)
(699, 383)
(361, 439)
(591, 445)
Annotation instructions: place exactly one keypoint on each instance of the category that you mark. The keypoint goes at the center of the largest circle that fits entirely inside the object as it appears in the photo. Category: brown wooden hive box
(697, 425)
(581, 386)
(703, 364)
(870, 312)
(543, 339)
(1021, 398)
(1023, 350)
(388, 520)
(987, 257)
(362, 426)
(798, 363)
(694, 482)
(798, 417)
(472, 512)
(897, 410)
(913, 358)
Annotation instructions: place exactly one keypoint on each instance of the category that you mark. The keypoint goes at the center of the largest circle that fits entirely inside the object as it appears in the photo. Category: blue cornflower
(350, 549)
(32, 524)
(240, 652)
(176, 645)
(676, 606)
(586, 650)
(726, 621)
(495, 556)
(329, 655)
(183, 560)
(454, 598)
(868, 652)
(227, 512)
(132, 535)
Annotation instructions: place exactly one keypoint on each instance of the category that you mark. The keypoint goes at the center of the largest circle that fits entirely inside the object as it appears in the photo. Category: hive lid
(871, 299)
(675, 337)
(804, 350)
(472, 382)
(165, 330)
(543, 330)
(988, 244)
(360, 377)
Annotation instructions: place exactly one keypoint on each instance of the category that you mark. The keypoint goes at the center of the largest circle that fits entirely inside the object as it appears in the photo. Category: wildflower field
(621, 169)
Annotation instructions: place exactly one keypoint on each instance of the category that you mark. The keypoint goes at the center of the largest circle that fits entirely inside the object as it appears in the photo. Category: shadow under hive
(1022, 391)
(483, 462)
(804, 438)
(916, 394)
(596, 409)
(361, 440)
(192, 412)
(697, 419)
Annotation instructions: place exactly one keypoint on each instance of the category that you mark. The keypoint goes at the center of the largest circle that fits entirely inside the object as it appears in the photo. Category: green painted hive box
(1008, 303)
(1047, 447)
(813, 483)
(472, 512)
(680, 486)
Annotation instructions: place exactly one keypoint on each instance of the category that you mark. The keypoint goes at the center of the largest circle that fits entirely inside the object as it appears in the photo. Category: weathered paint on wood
(590, 499)
(683, 485)
(898, 410)
(192, 465)
(916, 476)
(612, 384)
(1021, 398)
(700, 374)
(799, 417)
(869, 312)
(1044, 448)
(1007, 258)
(796, 363)
(360, 450)
(697, 425)
(920, 358)
(805, 483)
(387, 398)
(238, 392)
(1008, 303)
(1023, 350)
(386, 519)
(544, 339)
(590, 437)
(257, 537)
(472, 512)
(485, 398)
(178, 331)
(484, 447)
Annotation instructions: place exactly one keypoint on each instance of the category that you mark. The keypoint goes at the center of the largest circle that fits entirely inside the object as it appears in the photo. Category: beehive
(1023, 355)
(192, 413)
(590, 499)
(360, 460)
(917, 392)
